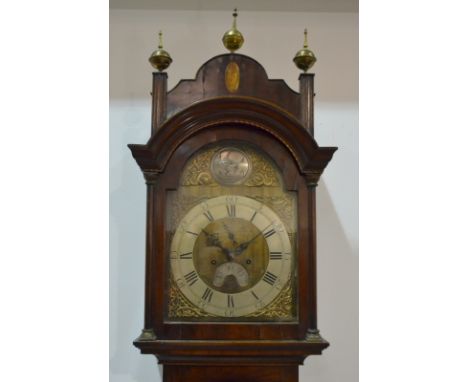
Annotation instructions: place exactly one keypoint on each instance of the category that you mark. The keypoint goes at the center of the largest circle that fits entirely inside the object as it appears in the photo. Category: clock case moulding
(273, 118)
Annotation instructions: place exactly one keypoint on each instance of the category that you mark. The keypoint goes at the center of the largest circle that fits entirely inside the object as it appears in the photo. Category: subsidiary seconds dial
(231, 255)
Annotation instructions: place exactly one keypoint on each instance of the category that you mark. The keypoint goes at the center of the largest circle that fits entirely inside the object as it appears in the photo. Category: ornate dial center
(231, 255)
(230, 166)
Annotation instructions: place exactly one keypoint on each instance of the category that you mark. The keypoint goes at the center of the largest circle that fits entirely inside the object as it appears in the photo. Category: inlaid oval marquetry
(232, 77)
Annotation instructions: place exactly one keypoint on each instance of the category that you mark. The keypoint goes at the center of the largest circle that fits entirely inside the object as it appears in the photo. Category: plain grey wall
(272, 38)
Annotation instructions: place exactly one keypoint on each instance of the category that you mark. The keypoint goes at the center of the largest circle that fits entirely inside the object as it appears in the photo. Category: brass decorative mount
(233, 39)
(147, 335)
(160, 59)
(313, 335)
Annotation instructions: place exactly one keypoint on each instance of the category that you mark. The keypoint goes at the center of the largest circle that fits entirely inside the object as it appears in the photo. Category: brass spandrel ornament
(198, 172)
(282, 307)
(180, 307)
(305, 58)
(160, 59)
(233, 39)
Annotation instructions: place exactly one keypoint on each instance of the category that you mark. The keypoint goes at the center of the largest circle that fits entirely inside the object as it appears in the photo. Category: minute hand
(241, 248)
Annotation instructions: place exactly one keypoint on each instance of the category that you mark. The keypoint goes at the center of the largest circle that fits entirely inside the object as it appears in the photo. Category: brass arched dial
(231, 256)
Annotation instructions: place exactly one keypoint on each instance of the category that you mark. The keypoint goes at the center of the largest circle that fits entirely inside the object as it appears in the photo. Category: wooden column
(159, 94)
(306, 88)
(312, 257)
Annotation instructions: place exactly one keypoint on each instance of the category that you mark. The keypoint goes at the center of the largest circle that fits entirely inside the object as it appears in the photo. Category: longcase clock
(231, 169)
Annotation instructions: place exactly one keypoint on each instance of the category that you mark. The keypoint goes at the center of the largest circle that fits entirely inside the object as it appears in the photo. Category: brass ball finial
(233, 39)
(305, 58)
(160, 59)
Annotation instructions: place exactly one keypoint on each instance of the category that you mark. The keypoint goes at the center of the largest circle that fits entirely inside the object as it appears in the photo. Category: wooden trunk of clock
(231, 169)
(244, 373)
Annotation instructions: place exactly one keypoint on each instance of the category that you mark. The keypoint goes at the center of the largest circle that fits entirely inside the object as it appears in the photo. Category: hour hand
(213, 240)
(230, 234)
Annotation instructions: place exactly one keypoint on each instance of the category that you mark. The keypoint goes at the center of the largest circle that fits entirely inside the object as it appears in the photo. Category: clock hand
(241, 248)
(230, 234)
(213, 240)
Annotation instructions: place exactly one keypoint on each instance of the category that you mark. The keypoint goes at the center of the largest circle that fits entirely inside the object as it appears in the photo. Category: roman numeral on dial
(276, 255)
(207, 295)
(231, 210)
(270, 278)
(269, 233)
(253, 216)
(191, 278)
(208, 215)
(230, 301)
(186, 256)
(253, 294)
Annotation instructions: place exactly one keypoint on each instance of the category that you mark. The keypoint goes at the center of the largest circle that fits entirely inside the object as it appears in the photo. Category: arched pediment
(243, 112)
(251, 80)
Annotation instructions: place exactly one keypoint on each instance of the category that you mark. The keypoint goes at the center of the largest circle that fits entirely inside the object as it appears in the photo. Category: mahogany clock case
(277, 123)
(292, 149)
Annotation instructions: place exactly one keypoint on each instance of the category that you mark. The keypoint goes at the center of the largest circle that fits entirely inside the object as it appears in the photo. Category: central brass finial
(160, 59)
(305, 58)
(233, 39)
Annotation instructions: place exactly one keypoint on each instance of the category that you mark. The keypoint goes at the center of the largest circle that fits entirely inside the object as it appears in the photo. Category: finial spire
(305, 38)
(233, 39)
(160, 46)
(234, 21)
